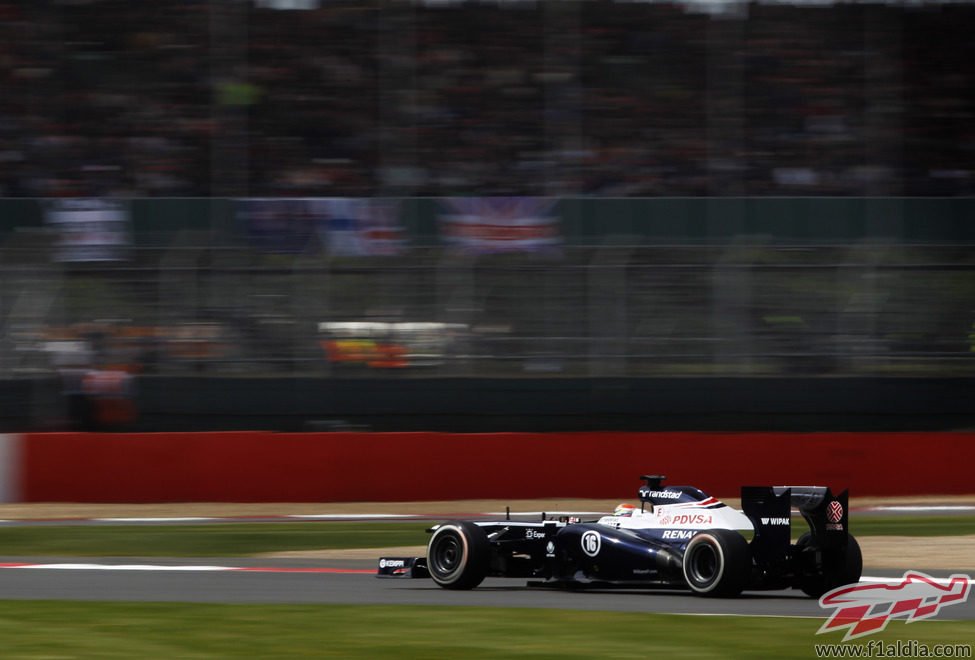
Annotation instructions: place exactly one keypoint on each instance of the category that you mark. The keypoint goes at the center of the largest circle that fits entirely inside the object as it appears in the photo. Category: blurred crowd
(232, 98)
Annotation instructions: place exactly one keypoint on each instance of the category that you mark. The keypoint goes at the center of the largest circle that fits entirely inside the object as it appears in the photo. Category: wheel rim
(702, 565)
(447, 554)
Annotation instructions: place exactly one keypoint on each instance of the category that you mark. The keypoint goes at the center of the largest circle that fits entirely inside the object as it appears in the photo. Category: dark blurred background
(552, 215)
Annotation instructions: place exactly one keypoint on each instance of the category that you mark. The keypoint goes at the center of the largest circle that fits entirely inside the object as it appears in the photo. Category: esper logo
(864, 609)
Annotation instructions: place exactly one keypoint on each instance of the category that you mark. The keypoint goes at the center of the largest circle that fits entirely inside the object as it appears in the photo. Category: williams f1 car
(679, 537)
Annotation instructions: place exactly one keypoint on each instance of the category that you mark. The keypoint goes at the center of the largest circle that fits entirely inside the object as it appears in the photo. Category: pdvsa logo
(697, 519)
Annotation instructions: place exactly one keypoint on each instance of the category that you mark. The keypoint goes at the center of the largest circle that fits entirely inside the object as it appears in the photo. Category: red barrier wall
(296, 467)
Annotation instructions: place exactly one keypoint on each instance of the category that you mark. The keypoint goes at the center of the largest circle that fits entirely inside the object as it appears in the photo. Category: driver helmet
(624, 510)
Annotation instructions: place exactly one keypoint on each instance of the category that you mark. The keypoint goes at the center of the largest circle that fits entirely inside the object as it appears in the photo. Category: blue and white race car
(678, 537)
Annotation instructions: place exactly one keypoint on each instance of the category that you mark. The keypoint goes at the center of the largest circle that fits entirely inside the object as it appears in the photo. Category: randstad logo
(864, 609)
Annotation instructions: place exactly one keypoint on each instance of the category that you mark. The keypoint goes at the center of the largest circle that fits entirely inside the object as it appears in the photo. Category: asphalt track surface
(306, 581)
(353, 581)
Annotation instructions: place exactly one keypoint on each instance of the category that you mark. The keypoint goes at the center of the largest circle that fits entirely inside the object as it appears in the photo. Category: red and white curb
(77, 566)
(188, 568)
(334, 517)
(419, 517)
(920, 508)
(297, 517)
(898, 580)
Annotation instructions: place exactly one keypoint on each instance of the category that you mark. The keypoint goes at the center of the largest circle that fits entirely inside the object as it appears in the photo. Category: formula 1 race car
(678, 537)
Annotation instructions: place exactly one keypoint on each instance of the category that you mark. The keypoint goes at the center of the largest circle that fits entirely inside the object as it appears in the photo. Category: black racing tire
(836, 571)
(458, 555)
(717, 563)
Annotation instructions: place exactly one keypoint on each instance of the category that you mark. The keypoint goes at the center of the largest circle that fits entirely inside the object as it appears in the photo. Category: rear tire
(843, 567)
(717, 563)
(458, 554)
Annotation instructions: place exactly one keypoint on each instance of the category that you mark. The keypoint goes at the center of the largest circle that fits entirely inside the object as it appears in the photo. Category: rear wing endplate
(770, 510)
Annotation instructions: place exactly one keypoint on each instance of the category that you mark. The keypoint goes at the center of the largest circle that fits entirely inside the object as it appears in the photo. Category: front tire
(717, 563)
(458, 554)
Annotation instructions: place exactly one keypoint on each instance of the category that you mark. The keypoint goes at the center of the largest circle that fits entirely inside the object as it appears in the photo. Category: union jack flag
(500, 224)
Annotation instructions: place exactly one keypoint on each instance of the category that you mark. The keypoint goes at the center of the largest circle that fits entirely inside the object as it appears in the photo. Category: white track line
(154, 520)
(898, 580)
(90, 566)
(919, 508)
(356, 516)
(937, 508)
(121, 567)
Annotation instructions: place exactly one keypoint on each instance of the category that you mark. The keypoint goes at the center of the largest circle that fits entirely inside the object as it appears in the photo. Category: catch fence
(740, 309)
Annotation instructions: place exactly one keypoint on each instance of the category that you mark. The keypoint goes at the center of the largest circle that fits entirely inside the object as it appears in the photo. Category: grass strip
(214, 540)
(49, 629)
(242, 539)
(912, 526)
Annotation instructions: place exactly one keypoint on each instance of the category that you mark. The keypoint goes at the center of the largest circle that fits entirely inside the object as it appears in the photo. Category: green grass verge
(242, 539)
(216, 540)
(912, 526)
(69, 629)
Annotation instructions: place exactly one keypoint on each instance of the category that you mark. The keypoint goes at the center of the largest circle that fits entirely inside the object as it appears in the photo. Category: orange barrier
(306, 467)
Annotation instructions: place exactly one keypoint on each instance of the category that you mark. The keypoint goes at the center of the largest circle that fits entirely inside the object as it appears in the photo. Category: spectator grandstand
(107, 98)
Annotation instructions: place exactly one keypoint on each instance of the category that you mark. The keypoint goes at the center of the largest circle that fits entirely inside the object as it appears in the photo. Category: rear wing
(770, 510)
(827, 515)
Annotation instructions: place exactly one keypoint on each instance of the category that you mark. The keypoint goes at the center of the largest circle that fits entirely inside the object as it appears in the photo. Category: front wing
(403, 567)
